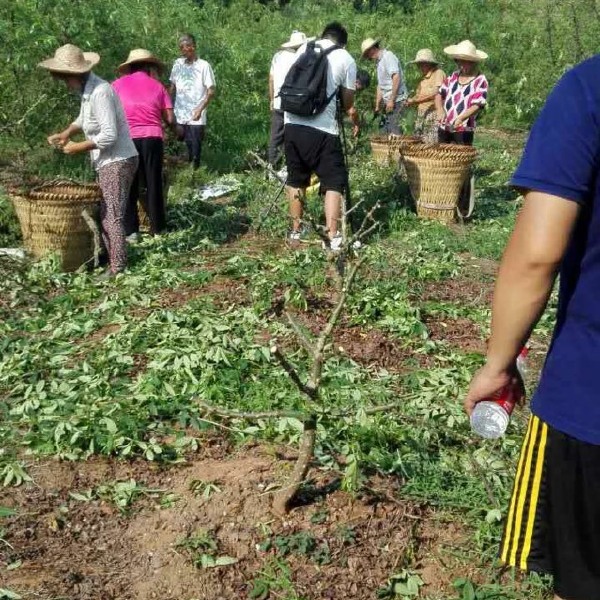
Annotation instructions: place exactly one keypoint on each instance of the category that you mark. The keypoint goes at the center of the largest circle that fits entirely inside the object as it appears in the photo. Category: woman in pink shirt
(147, 104)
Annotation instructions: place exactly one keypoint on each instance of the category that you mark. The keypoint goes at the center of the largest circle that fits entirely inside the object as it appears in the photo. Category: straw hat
(466, 50)
(140, 55)
(367, 45)
(297, 39)
(70, 59)
(425, 55)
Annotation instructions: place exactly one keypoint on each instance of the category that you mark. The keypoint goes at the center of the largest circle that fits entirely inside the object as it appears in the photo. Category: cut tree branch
(302, 337)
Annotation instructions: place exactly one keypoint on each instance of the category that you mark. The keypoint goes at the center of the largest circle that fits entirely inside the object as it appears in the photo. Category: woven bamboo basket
(380, 148)
(436, 174)
(51, 220)
(386, 148)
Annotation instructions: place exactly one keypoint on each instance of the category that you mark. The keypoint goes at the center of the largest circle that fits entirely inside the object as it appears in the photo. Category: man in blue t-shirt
(553, 523)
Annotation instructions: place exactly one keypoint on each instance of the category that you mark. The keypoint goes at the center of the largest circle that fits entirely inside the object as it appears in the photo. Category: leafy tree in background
(530, 45)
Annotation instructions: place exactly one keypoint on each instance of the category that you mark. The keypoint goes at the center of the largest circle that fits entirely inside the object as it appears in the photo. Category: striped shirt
(459, 97)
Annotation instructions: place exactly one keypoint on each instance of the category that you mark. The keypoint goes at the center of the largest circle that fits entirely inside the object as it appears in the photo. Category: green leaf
(7, 512)
(224, 561)
(9, 595)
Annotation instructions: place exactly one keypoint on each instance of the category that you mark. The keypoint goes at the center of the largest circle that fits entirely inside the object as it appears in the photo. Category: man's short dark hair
(336, 32)
(363, 79)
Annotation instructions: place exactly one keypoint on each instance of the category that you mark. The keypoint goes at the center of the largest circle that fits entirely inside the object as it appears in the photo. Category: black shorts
(308, 151)
(553, 524)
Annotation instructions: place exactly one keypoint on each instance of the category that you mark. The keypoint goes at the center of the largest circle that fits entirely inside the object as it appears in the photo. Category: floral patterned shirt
(192, 82)
(458, 98)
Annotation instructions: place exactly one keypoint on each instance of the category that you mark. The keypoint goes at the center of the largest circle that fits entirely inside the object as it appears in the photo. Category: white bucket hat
(297, 39)
(367, 45)
(466, 50)
(140, 55)
(425, 55)
(70, 59)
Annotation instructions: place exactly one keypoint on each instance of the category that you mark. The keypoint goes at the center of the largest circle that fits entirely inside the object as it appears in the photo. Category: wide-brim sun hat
(367, 45)
(139, 55)
(297, 39)
(71, 60)
(466, 50)
(425, 55)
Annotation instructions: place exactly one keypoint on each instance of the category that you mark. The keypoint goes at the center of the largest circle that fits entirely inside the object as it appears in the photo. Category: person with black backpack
(323, 75)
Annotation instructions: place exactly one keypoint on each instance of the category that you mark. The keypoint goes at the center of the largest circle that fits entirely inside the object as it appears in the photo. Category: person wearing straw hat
(391, 93)
(107, 139)
(147, 104)
(552, 523)
(280, 65)
(193, 83)
(461, 97)
(424, 99)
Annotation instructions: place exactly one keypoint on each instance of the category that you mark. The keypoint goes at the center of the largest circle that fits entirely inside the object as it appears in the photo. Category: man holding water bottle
(553, 521)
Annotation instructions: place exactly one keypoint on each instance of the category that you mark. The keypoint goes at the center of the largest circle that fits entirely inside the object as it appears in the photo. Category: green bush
(530, 44)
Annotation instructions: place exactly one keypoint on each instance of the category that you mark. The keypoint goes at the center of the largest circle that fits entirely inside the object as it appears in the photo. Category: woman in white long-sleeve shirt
(113, 154)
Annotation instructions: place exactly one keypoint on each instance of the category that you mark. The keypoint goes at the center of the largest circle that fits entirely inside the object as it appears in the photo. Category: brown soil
(89, 550)
(462, 291)
(462, 333)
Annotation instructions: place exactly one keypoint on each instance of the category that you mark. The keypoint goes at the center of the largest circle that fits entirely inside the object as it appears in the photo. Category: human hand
(458, 122)
(411, 101)
(197, 113)
(355, 130)
(58, 140)
(389, 107)
(71, 148)
(487, 382)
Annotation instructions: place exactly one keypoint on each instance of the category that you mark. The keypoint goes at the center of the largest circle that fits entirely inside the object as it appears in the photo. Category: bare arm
(377, 99)
(467, 114)
(439, 106)
(168, 115)
(210, 94)
(59, 140)
(525, 280)
(395, 87)
(347, 100)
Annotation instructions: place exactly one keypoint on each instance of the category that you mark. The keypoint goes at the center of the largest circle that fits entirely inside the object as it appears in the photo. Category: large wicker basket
(52, 221)
(436, 175)
(386, 148)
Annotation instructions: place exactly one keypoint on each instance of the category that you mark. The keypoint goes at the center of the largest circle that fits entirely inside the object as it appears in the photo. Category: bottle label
(507, 398)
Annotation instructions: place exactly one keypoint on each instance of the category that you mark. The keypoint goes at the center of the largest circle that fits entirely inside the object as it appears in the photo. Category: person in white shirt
(193, 84)
(392, 93)
(280, 65)
(312, 144)
(104, 125)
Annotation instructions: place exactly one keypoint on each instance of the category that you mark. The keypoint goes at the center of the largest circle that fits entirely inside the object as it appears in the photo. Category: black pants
(193, 137)
(462, 138)
(276, 140)
(150, 176)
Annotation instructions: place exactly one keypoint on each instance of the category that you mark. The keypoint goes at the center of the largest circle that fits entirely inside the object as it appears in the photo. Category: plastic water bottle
(490, 418)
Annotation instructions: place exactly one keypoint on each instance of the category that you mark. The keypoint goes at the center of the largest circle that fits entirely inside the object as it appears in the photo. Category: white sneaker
(133, 238)
(335, 244)
(295, 236)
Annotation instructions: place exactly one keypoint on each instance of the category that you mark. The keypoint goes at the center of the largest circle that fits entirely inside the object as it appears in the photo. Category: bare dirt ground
(80, 550)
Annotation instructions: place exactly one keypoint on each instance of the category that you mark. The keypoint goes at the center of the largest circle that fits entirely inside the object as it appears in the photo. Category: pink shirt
(143, 100)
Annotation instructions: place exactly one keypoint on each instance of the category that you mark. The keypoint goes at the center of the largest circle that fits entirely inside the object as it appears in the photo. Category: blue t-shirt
(562, 157)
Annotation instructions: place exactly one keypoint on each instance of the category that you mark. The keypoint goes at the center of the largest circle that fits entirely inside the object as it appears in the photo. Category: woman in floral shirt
(460, 98)
(462, 95)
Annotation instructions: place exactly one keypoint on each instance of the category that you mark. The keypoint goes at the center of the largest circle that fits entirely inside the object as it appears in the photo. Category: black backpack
(304, 90)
